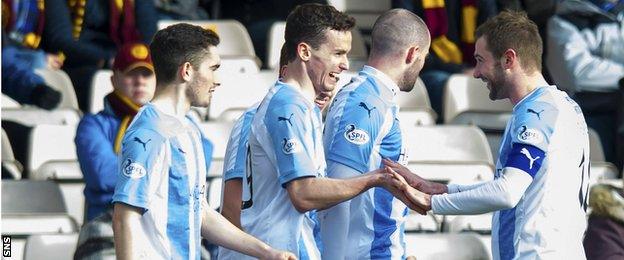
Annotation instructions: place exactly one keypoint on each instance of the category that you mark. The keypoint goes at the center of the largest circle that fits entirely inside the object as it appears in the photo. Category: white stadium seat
(229, 95)
(59, 80)
(31, 116)
(50, 247)
(51, 143)
(8, 102)
(101, 85)
(445, 246)
(365, 12)
(9, 164)
(416, 223)
(415, 106)
(218, 133)
(481, 224)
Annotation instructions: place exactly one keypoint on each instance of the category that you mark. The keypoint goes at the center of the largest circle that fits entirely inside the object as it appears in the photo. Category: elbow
(302, 205)
(508, 201)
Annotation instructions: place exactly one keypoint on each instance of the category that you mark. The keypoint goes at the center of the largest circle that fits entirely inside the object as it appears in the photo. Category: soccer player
(539, 193)
(286, 166)
(160, 208)
(235, 163)
(362, 128)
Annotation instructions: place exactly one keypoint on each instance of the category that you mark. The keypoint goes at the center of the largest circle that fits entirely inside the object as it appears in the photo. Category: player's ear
(412, 55)
(304, 51)
(185, 71)
(509, 58)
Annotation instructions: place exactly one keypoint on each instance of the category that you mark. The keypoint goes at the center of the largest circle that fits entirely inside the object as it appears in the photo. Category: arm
(221, 232)
(231, 205)
(18, 77)
(97, 159)
(127, 231)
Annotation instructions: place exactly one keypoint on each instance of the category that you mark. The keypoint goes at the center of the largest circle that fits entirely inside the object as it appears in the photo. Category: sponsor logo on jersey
(356, 136)
(290, 146)
(530, 136)
(133, 170)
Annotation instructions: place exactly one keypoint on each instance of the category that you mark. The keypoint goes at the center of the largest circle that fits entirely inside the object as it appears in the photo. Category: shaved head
(396, 30)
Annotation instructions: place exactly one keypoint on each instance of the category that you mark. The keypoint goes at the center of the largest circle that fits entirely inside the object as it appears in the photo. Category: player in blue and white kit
(361, 128)
(160, 208)
(539, 193)
(286, 173)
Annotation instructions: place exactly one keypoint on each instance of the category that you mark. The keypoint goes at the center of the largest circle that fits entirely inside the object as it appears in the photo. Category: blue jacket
(95, 138)
(18, 72)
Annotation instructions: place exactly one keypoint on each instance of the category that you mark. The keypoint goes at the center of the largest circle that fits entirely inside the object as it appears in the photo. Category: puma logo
(528, 155)
(536, 113)
(362, 104)
(281, 118)
(136, 139)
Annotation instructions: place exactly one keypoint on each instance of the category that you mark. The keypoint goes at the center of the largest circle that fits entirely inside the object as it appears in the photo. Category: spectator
(103, 26)
(586, 57)
(180, 10)
(452, 25)
(604, 238)
(98, 141)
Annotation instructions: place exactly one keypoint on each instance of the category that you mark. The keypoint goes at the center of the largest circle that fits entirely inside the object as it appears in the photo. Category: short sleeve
(286, 125)
(236, 151)
(355, 134)
(140, 166)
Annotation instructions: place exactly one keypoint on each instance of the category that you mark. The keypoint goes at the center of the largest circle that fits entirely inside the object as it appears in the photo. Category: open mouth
(334, 76)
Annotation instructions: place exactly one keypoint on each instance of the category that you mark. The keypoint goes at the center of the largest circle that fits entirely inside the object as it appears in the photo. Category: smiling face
(203, 83)
(329, 60)
(489, 70)
(137, 84)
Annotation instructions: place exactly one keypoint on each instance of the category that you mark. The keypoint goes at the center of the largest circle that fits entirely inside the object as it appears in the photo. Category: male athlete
(285, 177)
(160, 207)
(362, 128)
(539, 193)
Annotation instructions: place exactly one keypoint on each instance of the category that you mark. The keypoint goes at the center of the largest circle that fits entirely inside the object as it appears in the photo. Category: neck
(297, 76)
(525, 84)
(388, 68)
(171, 99)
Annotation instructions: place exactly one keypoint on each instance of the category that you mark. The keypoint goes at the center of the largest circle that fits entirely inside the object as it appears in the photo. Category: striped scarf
(24, 21)
(437, 21)
(125, 109)
(122, 24)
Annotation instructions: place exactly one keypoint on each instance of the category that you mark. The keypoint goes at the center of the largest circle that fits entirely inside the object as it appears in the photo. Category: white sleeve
(454, 188)
(502, 193)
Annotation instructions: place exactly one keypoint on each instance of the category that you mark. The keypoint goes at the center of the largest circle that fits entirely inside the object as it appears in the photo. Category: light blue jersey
(361, 128)
(163, 172)
(235, 162)
(546, 137)
(285, 145)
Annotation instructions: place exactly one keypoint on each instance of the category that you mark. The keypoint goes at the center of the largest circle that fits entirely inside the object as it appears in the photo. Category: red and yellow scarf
(122, 24)
(437, 21)
(125, 109)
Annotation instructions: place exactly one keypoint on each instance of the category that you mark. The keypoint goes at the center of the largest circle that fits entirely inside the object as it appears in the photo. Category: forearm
(502, 193)
(322, 193)
(231, 206)
(126, 233)
(218, 230)
(454, 188)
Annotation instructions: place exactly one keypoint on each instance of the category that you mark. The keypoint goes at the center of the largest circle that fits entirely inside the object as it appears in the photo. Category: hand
(416, 181)
(420, 199)
(54, 61)
(279, 255)
(395, 186)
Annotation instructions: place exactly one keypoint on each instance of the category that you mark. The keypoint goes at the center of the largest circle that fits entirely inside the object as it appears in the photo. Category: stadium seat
(357, 56)
(215, 188)
(601, 171)
(101, 85)
(11, 168)
(446, 246)
(50, 143)
(8, 102)
(235, 40)
(481, 224)
(31, 116)
(416, 223)
(365, 12)
(228, 98)
(218, 133)
(232, 67)
(50, 247)
(59, 80)
(415, 106)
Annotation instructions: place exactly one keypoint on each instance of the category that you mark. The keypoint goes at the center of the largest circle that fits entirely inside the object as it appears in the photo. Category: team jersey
(361, 128)
(284, 145)
(235, 161)
(163, 172)
(547, 138)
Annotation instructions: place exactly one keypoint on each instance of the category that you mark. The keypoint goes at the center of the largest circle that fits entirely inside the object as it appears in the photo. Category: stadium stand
(601, 171)
(446, 246)
(415, 106)
(59, 80)
(218, 133)
(365, 12)
(481, 224)
(228, 97)
(416, 223)
(50, 246)
(100, 87)
(8, 102)
(31, 116)
(11, 168)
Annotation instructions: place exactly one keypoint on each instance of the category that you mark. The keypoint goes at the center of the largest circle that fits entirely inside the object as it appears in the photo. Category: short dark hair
(396, 29)
(308, 22)
(513, 30)
(177, 44)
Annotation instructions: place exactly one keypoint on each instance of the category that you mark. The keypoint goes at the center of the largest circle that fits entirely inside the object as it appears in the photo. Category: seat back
(365, 12)
(228, 96)
(49, 143)
(8, 102)
(59, 80)
(446, 246)
(101, 85)
(31, 116)
(415, 106)
(466, 101)
(218, 133)
(50, 246)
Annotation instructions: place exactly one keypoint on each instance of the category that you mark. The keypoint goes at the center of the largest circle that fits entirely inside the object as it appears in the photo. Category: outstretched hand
(396, 186)
(280, 255)
(414, 180)
(419, 200)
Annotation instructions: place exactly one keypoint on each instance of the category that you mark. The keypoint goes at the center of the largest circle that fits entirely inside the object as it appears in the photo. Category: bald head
(396, 30)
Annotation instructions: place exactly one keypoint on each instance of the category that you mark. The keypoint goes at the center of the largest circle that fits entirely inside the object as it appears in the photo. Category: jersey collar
(389, 85)
(536, 92)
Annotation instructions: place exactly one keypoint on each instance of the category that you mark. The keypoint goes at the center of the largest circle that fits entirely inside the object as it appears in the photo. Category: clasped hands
(410, 188)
